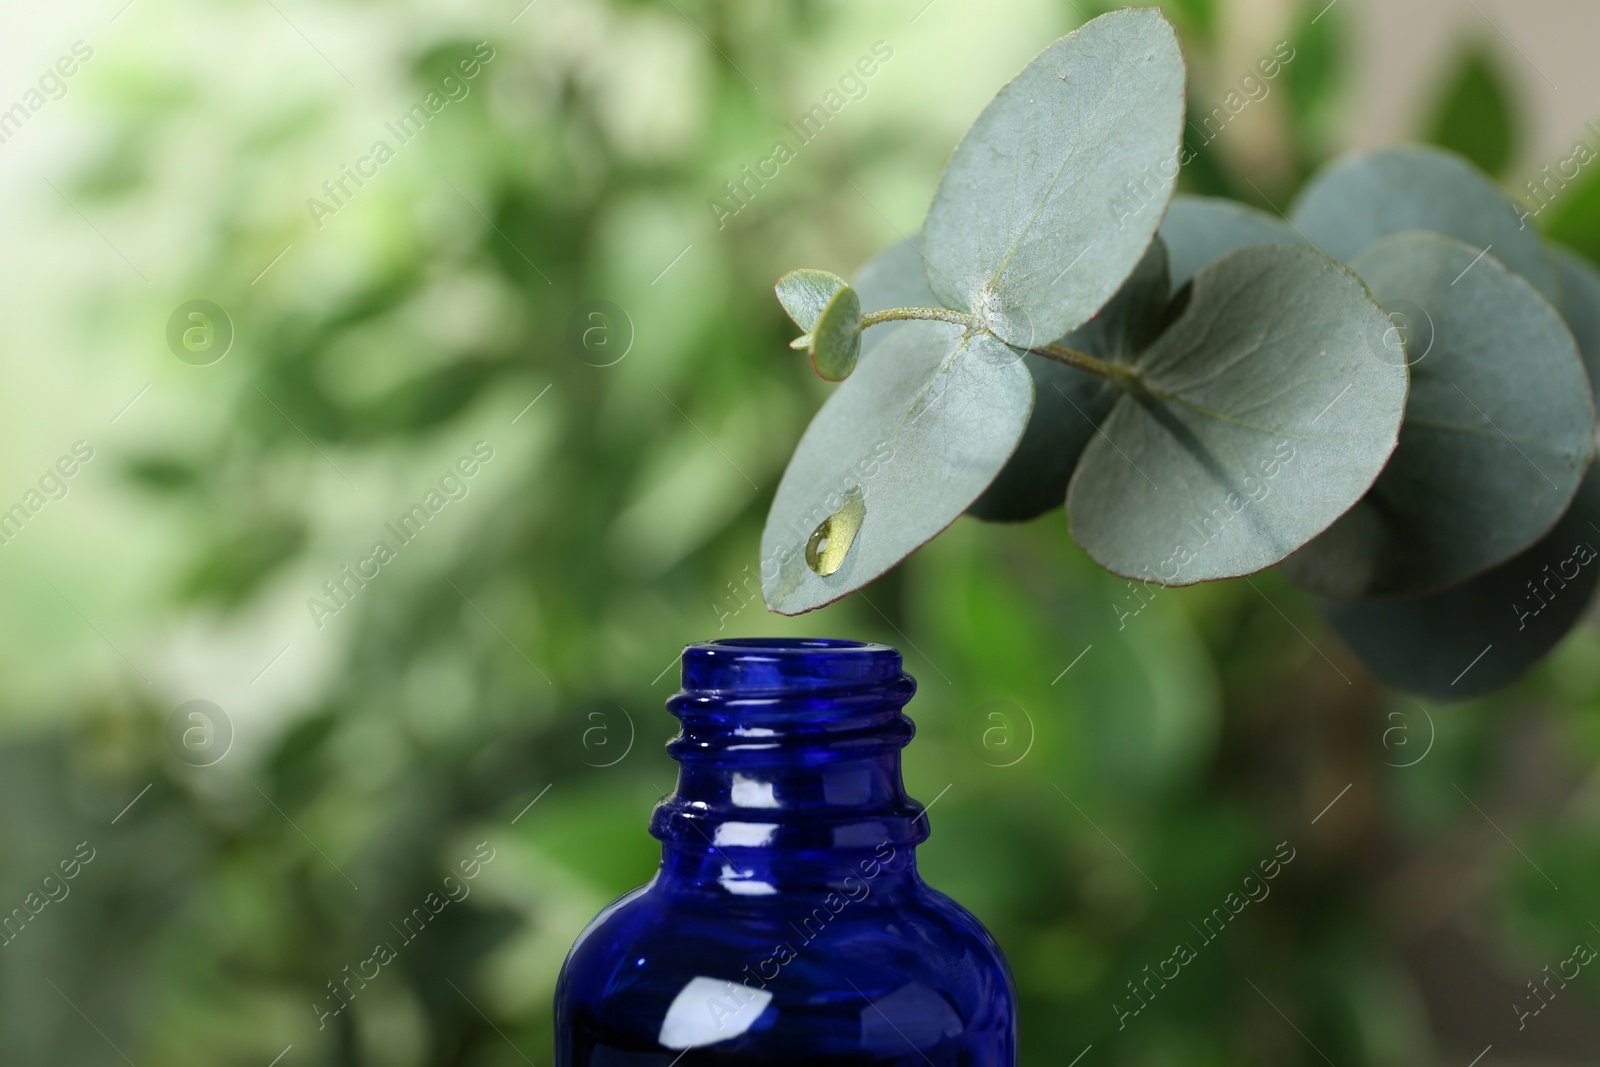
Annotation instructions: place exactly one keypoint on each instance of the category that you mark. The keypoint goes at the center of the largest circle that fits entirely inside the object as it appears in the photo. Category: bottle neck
(789, 772)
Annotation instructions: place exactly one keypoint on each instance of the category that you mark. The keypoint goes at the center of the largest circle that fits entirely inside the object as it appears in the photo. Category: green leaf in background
(1315, 81)
(1487, 631)
(836, 338)
(1202, 229)
(1354, 202)
(1474, 115)
(1510, 616)
(804, 294)
(1265, 414)
(897, 453)
(1575, 217)
(894, 278)
(1069, 403)
(247, 555)
(1051, 198)
(1497, 435)
(1198, 15)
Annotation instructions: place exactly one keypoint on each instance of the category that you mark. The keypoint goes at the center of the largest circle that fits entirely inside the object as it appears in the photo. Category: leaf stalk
(1100, 368)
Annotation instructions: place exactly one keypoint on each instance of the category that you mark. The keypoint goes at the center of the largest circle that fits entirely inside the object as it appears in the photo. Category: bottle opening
(787, 664)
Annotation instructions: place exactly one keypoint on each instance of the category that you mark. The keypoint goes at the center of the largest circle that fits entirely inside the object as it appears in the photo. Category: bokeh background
(539, 276)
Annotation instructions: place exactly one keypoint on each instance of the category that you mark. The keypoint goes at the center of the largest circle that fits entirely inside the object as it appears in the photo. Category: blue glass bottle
(787, 924)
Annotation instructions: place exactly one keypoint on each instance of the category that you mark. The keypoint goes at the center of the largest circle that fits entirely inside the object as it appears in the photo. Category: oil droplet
(831, 540)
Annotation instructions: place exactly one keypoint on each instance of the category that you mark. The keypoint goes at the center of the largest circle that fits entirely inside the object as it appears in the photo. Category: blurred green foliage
(519, 653)
(1576, 218)
(1474, 114)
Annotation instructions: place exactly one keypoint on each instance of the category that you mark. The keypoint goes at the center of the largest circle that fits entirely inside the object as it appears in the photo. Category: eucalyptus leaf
(1069, 403)
(1051, 198)
(1266, 410)
(898, 452)
(836, 338)
(1497, 435)
(1202, 229)
(804, 293)
(1486, 632)
(1580, 286)
(1354, 202)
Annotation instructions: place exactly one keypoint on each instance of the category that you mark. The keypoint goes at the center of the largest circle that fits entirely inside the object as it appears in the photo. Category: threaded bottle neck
(789, 765)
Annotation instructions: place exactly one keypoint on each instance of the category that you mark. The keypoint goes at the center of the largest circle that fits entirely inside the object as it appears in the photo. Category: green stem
(960, 318)
(1100, 368)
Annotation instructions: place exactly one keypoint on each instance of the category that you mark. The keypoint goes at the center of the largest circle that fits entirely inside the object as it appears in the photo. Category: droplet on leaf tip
(831, 541)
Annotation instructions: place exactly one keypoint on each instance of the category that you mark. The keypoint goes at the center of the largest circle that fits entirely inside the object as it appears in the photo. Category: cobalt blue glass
(787, 924)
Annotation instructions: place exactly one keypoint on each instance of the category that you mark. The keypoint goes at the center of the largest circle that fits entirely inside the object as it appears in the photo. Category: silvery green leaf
(1498, 428)
(1267, 410)
(1053, 195)
(1487, 631)
(804, 293)
(1354, 202)
(1423, 643)
(895, 455)
(836, 338)
(1069, 403)
(1580, 292)
(1202, 229)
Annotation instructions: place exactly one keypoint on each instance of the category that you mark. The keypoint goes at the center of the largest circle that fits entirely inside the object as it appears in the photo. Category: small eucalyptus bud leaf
(804, 293)
(836, 340)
